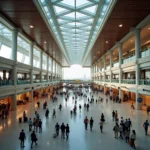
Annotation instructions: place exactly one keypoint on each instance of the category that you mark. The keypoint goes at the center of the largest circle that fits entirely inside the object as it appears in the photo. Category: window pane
(26, 61)
(5, 51)
(19, 56)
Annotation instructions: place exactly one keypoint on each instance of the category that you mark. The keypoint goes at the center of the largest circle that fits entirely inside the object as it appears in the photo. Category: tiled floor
(79, 138)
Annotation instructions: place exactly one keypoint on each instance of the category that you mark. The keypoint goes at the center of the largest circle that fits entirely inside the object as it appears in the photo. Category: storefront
(128, 96)
(5, 103)
(23, 98)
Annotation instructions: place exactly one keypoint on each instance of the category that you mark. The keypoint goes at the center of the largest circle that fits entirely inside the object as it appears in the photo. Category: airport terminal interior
(74, 74)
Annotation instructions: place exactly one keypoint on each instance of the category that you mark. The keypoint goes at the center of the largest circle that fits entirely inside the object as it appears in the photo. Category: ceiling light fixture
(120, 25)
(45, 42)
(31, 26)
(106, 42)
(148, 28)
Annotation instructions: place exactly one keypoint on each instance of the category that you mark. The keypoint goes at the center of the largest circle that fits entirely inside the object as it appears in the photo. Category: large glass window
(23, 51)
(36, 58)
(77, 72)
(5, 42)
(50, 64)
(44, 62)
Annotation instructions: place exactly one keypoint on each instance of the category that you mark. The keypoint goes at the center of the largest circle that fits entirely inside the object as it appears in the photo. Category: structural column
(138, 105)
(120, 61)
(41, 66)
(120, 93)
(104, 68)
(14, 55)
(14, 101)
(137, 67)
(137, 54)
(47, 68)
(110, 53)
(31, 61)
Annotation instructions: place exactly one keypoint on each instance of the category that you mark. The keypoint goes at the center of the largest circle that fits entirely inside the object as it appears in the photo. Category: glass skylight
(75, 24)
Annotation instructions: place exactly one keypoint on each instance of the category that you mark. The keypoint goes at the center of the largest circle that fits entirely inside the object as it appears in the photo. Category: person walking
(80, 107)
(101, 126)
(54, 113)
(22, 138)
(86, 122)
(113, 115)
(57, 127)
(62, 131)
(67, 131)
(145, 125)
(91, 123)
(33, 139)
(116, 130)
(60, 107)
(38, 104)
(102, 117)
(30, 124)
(47, 113)
(40, 126)
(133, 138)
(127, 135)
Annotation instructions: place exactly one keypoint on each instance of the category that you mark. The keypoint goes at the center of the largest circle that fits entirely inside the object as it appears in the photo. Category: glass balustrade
(115, 80)
(129, 59)
(6, 82)
(145, 53)
(128, 81)
(116, 64)
(107, 80)
(23, 82)
(145, 82)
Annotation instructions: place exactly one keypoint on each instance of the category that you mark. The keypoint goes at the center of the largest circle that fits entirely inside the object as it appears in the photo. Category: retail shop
(5, 103)
(23, 98)
(128, 96)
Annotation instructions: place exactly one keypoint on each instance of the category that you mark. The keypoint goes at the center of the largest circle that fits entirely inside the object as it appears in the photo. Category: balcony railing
(130, 59)
(6, 82)
(36, 81)
(145, 53)
(23, 82)
(128, 81)
(115, 80)
(145, 82)
(107, 80)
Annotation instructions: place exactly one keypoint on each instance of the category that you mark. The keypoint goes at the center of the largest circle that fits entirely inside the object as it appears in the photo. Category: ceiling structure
(126, 12)
(22, 14)
(75, 24)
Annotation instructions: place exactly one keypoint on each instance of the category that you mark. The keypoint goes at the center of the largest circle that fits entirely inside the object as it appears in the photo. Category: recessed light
(31, 26)
(148, 28)
(131, 40)
(98, 52)
(45, 42)
(106, 41)
(120, 25)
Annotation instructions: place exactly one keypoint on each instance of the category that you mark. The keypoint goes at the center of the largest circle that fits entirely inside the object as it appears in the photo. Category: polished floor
(79, 139)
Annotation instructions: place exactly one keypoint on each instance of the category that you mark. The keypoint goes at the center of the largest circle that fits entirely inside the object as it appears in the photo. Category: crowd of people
(122, 129)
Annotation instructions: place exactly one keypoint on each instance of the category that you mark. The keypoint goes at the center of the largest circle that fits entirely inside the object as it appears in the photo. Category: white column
(31, 95)
(120, 93)
(31, 62)
(52, 70)
(47, 68)
(104, 68)
(14, 55)
(120, 61)
(138, 105)
(41, 66)
(110, 53)
(14, 101)
(137, 54)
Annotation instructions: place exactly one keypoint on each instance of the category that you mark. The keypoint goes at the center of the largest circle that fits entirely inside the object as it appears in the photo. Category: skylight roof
(75, 24)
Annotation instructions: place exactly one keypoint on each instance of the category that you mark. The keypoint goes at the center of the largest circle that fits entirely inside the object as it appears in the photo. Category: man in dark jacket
(67, 131)
(22, 137)
(33, 139)
(57, 129)
(63, 130)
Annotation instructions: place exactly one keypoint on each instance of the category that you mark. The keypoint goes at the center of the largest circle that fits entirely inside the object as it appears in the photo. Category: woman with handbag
(133, 138)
